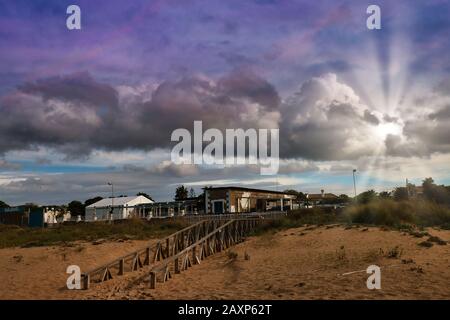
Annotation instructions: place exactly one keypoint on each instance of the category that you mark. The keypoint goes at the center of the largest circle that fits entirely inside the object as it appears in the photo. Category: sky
(80, 108)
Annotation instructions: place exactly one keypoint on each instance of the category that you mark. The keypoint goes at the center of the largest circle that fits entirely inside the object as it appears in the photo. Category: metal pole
(354, 182)
(112, 200)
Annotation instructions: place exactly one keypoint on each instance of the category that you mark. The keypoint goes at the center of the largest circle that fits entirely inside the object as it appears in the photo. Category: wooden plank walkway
(148, 255)
(221, 238)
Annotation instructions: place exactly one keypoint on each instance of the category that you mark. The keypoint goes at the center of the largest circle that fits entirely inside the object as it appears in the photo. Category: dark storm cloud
(79, 87)
(76, 114)
(323, 120)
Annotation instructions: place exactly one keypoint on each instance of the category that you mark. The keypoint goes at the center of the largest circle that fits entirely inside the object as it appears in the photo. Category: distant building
(190, 206)
(33, 217)
(239, 199)
(320, 199)
(15, 215)
(115, 208)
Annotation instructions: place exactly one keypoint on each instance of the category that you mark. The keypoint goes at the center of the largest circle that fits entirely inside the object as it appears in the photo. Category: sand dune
(301, 263)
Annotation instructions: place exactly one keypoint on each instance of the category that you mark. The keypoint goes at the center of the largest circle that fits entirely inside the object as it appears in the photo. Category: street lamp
(112, 199)
(354, 182)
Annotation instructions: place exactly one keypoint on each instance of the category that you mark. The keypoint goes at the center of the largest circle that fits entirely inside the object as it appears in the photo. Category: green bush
(11, 236)
(398, 214)
(298, 218)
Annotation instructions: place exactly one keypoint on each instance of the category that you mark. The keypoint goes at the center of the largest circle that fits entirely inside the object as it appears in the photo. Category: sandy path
(40, 272)
(301, 263)
(308, 264)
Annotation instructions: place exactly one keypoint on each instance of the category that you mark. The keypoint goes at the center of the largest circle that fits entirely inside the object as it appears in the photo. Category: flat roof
(247, 189)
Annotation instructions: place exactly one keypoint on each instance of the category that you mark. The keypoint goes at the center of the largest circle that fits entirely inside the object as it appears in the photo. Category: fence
(261, 215)
(213, 233)
(163, 249)
(224, 236)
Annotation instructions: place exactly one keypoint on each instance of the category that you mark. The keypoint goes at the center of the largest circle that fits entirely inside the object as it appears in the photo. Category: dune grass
(298, 218)
(410, 214)
(12, 236)
(399, 214)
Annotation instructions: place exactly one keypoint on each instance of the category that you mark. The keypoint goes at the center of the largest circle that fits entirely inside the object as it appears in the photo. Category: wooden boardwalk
(178, 251)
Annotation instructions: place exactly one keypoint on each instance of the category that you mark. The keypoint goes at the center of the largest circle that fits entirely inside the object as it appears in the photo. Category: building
(15, 215)
(239, 199)
(320, 199)
(33, 216)
(115, 208)
(190, 206)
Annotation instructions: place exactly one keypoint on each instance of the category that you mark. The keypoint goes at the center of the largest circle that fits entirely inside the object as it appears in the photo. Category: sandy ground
(301, 263)
(40, 272)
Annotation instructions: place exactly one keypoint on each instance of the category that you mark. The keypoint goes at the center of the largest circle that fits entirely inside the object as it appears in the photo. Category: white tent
(120, 207)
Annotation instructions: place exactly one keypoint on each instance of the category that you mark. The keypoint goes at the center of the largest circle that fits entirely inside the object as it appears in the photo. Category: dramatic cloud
(76, 115)
(325, 120)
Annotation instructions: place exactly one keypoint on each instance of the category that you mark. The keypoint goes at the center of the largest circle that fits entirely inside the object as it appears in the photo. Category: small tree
(3, 205)
(343, 198)
(192, 193)
(76, 208)
(181, 193)
(384, 195)
(88, 202)
(400, 194)
(366, 196)
(145, 195)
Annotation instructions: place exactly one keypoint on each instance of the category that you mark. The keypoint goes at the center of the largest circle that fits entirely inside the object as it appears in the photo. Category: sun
(382, 130)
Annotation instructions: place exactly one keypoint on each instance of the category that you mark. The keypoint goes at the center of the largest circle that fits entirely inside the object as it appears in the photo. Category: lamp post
(354, 182)
(112, 200)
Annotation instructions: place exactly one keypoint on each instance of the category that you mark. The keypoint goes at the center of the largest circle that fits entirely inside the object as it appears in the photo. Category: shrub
(401, 214)
(11, 236)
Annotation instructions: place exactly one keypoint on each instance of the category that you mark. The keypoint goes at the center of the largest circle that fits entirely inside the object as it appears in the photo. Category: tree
(76, 208)
(400, 194)
(3, 205)
(343, 198)
(88, 202)
(30, 206)
(192, 193)
(299, 195)
(181, 193)
(145, 195)
(435, 193)
(384, 195)
(366, 196)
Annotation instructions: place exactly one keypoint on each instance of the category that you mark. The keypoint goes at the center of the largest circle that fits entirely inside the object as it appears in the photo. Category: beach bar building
(239, 200)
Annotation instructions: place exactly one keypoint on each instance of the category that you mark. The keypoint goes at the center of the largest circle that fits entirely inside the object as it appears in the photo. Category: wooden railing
(163, 249)
(221, 238)
(229, 216)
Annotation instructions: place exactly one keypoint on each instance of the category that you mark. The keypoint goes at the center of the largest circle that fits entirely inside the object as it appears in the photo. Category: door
(218, 207)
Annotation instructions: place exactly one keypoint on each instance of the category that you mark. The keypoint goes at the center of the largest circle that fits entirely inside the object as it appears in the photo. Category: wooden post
(177, 266)
(168, 247)
(147, 256)
(152, 280)
(86, 281)
(121, 267)
(194, 255)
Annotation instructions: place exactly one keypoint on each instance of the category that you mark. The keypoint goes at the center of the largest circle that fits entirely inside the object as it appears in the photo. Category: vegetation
(76, 208)
(181, 193)
(88, 202)
(398, 213)
(3, 205)
(298, 218)
(145, 195)
(11, 235)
